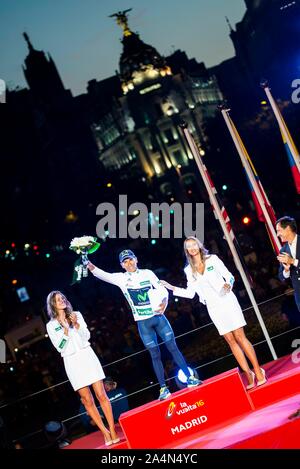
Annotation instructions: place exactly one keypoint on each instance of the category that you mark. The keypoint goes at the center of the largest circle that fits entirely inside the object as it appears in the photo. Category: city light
(246, 220)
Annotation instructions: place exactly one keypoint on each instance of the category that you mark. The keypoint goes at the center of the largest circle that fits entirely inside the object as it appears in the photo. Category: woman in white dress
(211, 280)
(69, 334)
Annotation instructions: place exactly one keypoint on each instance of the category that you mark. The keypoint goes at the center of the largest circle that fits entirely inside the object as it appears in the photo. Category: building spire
(30, 46)
(229, 24)
(122, 20)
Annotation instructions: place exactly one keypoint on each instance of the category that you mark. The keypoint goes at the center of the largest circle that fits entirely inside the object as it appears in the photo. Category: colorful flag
(228, 226)
(258, 194)
(294, 169)
(292, 152)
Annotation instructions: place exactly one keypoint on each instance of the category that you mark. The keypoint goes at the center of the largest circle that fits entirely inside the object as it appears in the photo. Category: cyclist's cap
(127, 254)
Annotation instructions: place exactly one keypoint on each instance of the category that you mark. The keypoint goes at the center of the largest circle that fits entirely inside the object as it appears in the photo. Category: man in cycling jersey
(148, 299)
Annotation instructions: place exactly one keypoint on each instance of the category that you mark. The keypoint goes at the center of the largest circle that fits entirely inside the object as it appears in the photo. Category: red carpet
(95, 440)
(218, 414)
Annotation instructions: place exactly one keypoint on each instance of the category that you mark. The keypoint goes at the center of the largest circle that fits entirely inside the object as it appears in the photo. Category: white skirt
(83, 368)
(226, 314)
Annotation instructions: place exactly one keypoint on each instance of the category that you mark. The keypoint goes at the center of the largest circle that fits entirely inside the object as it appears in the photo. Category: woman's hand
(64, 323)
(73, 319)
(167, 285)
(227, 287)
(162, 307)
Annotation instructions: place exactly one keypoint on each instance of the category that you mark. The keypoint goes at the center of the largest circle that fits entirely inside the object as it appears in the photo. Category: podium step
(283, 381)
(187, 412)
(220, 413)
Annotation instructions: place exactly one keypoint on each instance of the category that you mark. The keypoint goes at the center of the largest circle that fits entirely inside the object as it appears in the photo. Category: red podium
(218, 414)
(187, 412)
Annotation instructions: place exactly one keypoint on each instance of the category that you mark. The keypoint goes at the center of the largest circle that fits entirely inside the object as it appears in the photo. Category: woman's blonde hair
(203, 253)
(51, 305)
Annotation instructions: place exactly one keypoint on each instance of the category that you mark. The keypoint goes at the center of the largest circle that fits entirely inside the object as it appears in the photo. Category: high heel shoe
(116, 440)
(108, 442)
(264, 380)
(251, 385)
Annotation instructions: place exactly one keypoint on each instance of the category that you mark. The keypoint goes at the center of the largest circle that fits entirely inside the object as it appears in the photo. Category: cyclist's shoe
(164, 393)
(192, 381)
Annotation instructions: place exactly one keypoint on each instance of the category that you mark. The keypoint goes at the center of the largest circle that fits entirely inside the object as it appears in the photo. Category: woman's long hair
(190, 259)
(51, 307)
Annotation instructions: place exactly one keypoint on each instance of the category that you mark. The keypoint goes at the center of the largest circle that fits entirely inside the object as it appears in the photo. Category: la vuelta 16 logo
(182, 408)
(170, 410)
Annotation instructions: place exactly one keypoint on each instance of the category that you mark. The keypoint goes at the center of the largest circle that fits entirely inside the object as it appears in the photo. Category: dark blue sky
(84, 42)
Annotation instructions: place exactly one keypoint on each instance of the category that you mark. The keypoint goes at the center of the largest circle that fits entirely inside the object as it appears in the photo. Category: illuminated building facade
(136, 124)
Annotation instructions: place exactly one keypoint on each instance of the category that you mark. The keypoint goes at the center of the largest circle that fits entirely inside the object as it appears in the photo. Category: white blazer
(68, 344)
(216, 274)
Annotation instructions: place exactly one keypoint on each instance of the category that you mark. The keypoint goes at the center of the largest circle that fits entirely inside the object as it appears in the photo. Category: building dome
(139, 61)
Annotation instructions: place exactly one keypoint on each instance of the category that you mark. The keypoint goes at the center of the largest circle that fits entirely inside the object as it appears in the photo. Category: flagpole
(248, 169)
(282, 125)
(201, 167)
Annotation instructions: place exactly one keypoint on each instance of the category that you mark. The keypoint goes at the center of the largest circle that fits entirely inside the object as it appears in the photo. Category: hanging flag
(222, 208)
(266, 201)
(264, 209)
(227, 223)
(294, 169)
(292, 152)
(259, 212)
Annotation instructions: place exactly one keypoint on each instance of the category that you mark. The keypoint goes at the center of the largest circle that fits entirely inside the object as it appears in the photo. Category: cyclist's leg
(149, 338)
(165, 331)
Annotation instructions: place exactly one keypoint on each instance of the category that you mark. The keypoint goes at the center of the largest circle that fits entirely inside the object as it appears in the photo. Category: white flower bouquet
(84, 245)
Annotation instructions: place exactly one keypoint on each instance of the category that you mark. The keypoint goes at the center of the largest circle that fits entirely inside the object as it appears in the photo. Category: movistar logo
(142, 296)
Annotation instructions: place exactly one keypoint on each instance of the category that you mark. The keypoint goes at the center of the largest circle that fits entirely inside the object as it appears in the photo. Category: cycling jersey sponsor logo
(139, 296)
